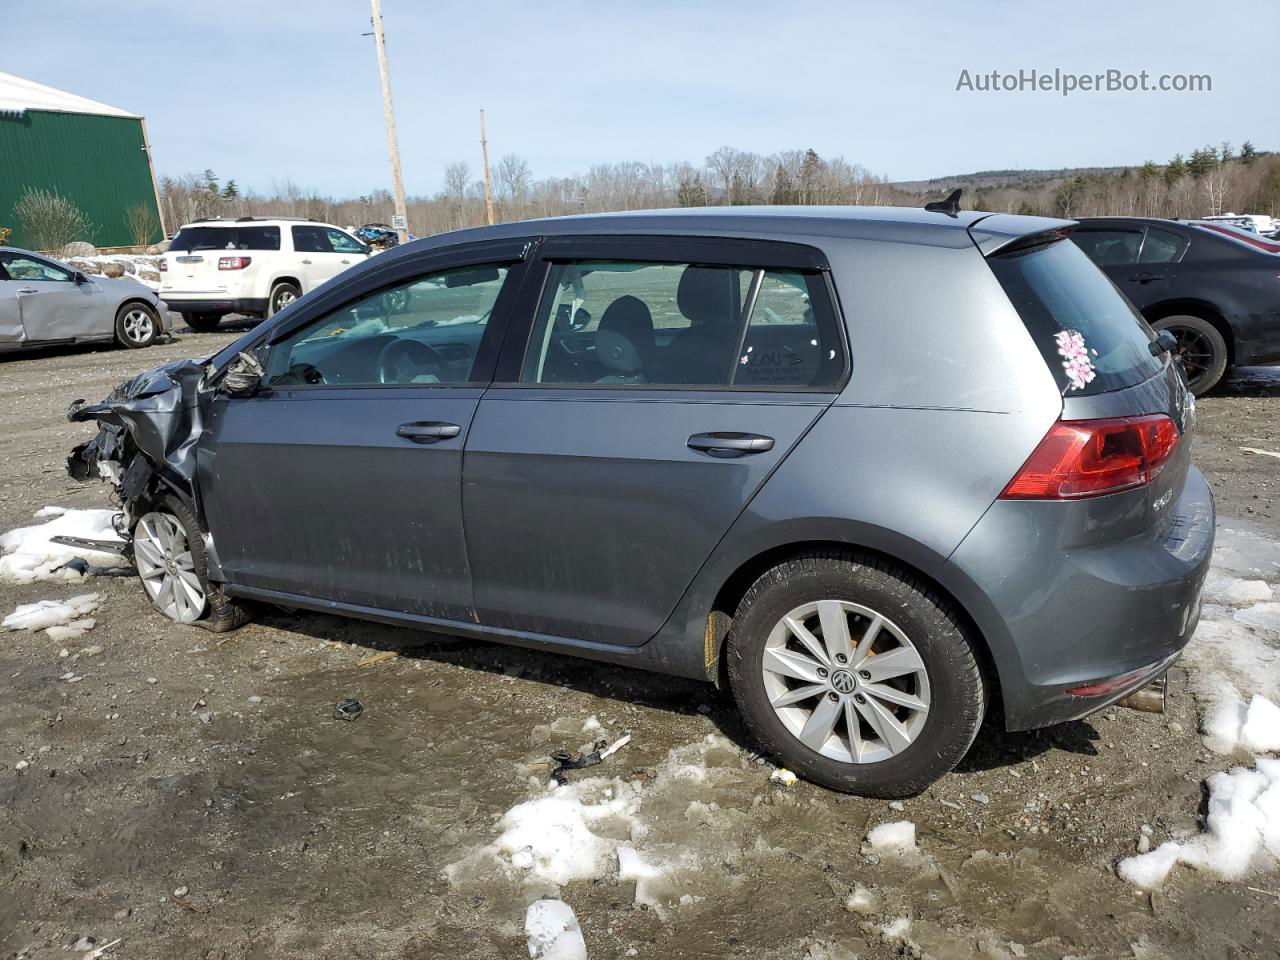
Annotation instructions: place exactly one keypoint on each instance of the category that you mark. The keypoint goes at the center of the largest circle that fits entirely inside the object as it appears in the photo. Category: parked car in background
(1215, 287)
(254, 266)
(44, 302)
(878, 470)
(1253, 222)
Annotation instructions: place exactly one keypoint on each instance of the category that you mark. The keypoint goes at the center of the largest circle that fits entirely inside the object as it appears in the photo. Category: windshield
(1091, 337)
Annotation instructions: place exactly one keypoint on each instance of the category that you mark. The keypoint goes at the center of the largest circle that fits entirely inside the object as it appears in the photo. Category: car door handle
(730, 444)
(344, 260)
(306, 261)
(428, 431)
(27, 290)
(1145, 277)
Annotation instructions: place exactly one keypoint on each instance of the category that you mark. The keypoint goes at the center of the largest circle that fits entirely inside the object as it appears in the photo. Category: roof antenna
(949, 206)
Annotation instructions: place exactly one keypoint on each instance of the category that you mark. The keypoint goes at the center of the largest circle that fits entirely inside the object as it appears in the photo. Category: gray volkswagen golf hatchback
(879, 471)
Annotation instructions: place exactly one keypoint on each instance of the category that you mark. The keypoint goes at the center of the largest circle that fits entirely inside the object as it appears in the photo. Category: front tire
(1201, 349)
(169, 555)
(137, 326)
(855, 674)
(282, 294)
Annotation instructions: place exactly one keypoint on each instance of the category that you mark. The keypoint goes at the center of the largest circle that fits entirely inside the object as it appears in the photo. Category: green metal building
(92, 154)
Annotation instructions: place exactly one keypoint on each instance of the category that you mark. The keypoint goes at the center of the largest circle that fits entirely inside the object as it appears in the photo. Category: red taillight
(233, 263)
(1090, 458)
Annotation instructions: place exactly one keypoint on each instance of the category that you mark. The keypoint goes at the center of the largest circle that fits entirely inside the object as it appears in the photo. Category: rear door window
(311, 240)
(1109, 247)
(1088, 333)
(227, 238)
(1161, 246)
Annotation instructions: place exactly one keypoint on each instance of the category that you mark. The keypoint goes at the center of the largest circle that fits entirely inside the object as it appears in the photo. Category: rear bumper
(179, 304)
(1059, 615)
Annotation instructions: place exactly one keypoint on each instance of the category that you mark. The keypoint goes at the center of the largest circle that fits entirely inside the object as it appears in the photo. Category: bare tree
(49, 220)
(142, 224)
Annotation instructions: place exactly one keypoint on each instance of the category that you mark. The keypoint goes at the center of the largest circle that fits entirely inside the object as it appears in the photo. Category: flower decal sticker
(1076, 362)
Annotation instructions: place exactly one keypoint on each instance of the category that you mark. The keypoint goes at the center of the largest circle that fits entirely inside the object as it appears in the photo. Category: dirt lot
(187, 760)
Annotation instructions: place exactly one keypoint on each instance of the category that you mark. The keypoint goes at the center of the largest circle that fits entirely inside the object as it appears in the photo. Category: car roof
(795, 223)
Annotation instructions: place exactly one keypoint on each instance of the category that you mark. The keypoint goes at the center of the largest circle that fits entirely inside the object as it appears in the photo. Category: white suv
(255, 266)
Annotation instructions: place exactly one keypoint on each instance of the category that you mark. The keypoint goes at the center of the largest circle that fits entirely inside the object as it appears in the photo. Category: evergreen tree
(784, 191)
(1248, 154)
(230, 191)
(1202, 161)
(1148, 171)
(1175, 171)
(691, 193)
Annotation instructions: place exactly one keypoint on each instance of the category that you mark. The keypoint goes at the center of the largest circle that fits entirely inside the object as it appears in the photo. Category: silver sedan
(43, 301)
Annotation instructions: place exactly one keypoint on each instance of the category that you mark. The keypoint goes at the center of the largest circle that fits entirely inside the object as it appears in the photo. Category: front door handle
(306, 261)
(428, 431)
(26, 290)
(730, 444)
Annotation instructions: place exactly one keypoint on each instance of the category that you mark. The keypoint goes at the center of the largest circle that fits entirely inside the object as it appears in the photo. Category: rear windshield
(1090, 336)
(227, 238)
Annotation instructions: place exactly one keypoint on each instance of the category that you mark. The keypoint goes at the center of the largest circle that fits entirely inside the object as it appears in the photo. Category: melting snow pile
(893, 839)
(1243, 826)
(552, 932)
(60, 619)
(26, 553)
(1235, 673)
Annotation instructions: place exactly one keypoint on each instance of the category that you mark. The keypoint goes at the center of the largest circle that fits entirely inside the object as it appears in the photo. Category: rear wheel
(168, 552)
(202, 322)
(1201, 350)
(137, 325)
(282, 294)
(855, 674)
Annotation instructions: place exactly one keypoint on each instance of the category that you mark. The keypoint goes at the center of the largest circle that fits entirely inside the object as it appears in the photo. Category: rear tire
(202, 322)
(1201, 349)
(282, 294)
(169, 555)
(933, 688)
(137, 326)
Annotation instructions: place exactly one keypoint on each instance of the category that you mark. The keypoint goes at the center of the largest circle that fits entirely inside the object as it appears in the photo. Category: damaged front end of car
(145, 445)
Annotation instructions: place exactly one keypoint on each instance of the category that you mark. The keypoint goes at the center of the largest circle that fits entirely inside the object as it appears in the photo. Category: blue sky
(274, 89)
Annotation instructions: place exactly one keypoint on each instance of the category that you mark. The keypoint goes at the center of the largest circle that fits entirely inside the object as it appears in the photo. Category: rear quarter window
(1088, 333)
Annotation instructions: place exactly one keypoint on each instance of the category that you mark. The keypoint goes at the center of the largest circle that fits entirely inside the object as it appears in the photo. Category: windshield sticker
(1076, 362)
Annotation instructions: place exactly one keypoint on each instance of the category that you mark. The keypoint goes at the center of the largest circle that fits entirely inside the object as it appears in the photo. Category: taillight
(1090, 458)
(233, 263)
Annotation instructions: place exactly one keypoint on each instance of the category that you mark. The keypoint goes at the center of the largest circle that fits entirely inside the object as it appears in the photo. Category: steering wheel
(401, 360)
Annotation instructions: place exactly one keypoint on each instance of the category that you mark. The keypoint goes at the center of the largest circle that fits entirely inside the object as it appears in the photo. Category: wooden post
(488, 184)
(393, 145)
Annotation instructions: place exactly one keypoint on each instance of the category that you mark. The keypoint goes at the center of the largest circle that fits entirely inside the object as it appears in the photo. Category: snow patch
(552, 932)
(27, 554)
(1264, 616)
(897, 839)
(44, 614)
(1242, 831)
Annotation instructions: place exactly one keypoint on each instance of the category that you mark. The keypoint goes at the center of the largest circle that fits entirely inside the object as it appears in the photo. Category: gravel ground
(193, 797)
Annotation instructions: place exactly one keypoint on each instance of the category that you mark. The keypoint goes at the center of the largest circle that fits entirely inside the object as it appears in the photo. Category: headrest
(624, 339)
(705, 295)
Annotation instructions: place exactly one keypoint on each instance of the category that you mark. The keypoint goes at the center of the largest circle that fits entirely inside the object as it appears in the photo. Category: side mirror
(244, 375)
(78, 277)
(1165, 342)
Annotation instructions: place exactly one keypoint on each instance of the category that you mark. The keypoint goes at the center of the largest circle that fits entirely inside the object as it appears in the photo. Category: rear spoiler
(1002, 233)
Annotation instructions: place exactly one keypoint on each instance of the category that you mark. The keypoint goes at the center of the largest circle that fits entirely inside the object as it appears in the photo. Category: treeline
(1209, 180)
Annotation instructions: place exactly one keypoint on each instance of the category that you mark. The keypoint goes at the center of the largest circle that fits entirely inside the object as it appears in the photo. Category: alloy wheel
(1194, 351)
(846, 681)
(284, 298)
(138, 325)
(167, 568)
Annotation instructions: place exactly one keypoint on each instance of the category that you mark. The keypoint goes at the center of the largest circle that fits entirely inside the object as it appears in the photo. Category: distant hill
(998, 179)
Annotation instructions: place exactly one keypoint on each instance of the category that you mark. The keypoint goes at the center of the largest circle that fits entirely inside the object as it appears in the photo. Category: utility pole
(401, 220)
(488, 184)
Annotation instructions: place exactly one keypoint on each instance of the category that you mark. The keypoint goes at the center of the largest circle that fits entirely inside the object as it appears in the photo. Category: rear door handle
(428, 431)
(306, 261)
(27, 290)
(1145, 277)
(730, 444)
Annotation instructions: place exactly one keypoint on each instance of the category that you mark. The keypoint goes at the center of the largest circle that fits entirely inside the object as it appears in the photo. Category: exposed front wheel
(137, 325)
(855, 674)
(1200, 349)
(168, 552)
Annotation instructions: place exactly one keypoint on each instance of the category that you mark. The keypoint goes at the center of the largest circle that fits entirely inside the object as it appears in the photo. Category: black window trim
(745, 253)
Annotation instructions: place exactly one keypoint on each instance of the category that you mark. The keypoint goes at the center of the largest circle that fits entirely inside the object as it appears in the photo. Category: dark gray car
(44, 302)
(876, 470)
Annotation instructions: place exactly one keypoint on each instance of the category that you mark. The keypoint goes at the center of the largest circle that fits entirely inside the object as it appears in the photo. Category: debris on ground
(348, 709)
(552, 932)
(28, 553)
(783, 777)
(380, 657)
(565, 761)
(862, 901)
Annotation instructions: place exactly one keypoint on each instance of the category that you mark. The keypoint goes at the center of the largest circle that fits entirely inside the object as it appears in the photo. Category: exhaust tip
(1149, 699)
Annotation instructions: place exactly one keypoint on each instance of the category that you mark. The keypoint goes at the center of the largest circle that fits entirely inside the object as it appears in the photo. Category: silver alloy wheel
(138, 325)
(167, 568)
(284, 298)
(846, 681)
